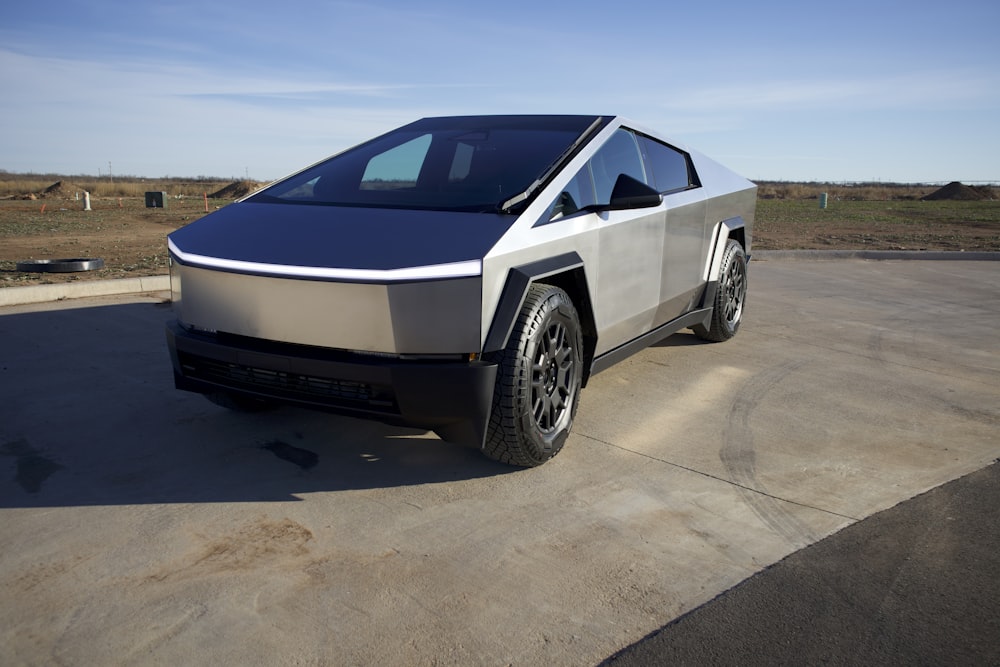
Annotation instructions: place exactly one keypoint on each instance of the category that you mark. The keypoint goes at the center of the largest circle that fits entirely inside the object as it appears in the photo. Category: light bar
(465, 269)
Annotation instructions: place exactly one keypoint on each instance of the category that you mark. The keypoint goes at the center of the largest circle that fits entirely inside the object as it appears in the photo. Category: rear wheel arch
(731, 228)
(739, 234)
(726, 294)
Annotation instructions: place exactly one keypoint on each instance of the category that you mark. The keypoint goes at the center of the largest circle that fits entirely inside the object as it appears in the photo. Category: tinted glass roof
(460, 163)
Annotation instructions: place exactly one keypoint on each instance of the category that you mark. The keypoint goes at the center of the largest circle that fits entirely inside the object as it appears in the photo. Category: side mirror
(631, 193)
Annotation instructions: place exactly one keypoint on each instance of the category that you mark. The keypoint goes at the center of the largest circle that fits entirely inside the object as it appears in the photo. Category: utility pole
(110, 175)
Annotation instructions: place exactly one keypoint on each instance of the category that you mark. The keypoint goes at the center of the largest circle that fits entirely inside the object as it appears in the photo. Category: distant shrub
(843, 191)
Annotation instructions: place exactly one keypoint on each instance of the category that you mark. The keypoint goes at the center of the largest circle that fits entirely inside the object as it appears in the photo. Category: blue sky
(853, 91)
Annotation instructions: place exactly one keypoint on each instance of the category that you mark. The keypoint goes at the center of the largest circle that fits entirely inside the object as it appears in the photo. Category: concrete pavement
(141, 524)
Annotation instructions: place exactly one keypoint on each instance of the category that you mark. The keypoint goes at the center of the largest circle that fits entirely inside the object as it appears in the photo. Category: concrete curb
(15, 296)
(949, 255)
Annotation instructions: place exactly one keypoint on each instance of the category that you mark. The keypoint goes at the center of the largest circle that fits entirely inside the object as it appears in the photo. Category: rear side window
(671, 168)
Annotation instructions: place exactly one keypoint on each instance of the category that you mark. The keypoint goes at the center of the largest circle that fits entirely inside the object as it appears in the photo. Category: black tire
(730, 295)
(59, 265)
(538, 381)
(239, 402)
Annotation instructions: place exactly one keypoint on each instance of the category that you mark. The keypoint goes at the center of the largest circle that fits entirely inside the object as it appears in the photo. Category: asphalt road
(144, 525)
(917, 584)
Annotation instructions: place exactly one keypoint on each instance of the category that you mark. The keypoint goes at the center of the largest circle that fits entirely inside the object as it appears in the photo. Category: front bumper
(451, 397)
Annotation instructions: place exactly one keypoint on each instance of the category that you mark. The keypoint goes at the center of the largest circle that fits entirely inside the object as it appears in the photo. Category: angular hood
(338, 242)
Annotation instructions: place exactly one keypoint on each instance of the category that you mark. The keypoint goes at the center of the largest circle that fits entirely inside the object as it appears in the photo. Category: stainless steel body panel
(628, 275)
(644, 267)
(425, 317)
(687, 234)
(382, 289)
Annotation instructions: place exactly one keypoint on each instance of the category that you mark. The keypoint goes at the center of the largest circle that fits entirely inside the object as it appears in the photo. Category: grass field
(783, 224)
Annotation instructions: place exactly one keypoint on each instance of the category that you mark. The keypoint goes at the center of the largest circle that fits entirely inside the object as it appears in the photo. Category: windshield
(469, 163)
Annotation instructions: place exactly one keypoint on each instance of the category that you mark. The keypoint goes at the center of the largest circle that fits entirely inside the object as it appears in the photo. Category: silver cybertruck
(465, 275)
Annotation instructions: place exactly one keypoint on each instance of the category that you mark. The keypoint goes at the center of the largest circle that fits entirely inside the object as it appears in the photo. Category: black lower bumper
(452, 398)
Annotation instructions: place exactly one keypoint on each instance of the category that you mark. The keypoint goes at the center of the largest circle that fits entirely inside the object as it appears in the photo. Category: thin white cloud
(37, 75)
(155, 119)
(934, 89)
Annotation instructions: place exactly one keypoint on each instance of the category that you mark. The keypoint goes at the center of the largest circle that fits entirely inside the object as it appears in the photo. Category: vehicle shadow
(89, 416)
(682, 338)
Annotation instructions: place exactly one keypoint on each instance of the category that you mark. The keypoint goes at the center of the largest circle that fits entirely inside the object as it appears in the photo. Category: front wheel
(538, 381)
(730, 295)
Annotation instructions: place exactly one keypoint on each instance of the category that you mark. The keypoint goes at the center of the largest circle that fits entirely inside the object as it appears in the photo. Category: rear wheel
(730, 295)
(538, 381)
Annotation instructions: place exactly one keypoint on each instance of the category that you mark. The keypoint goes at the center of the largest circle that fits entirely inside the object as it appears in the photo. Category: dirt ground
(131, 239)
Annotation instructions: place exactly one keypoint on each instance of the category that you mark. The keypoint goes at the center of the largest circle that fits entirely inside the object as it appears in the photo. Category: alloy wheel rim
(735, 290)
(552, 377)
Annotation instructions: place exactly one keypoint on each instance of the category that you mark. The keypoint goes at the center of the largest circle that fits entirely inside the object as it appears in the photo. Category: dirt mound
(956, 191)
(62, 190)
(235, 190)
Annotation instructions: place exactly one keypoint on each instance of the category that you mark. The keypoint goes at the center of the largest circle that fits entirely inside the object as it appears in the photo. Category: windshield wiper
(518, 198)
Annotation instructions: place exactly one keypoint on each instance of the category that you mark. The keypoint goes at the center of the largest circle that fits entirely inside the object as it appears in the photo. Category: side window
(595, 182)
(620, 155)
(578, 193)
(669, 166)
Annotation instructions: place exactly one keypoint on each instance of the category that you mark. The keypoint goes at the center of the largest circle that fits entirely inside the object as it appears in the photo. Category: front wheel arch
(566, 272)
(539, 378)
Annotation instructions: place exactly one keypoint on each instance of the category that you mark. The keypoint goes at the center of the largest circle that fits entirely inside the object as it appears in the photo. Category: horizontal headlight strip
(465, 269)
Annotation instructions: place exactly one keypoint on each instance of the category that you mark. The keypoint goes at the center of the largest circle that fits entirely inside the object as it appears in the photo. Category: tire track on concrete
(740, 459)
(897, 322)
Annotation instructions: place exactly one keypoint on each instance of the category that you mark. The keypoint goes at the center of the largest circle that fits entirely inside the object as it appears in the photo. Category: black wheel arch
(566, 272)
(739, 234)
(731, 228)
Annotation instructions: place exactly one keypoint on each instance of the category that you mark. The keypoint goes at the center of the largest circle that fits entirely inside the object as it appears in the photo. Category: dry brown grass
(24, 185)
(850, 192)
(131, 238)
(21, 185)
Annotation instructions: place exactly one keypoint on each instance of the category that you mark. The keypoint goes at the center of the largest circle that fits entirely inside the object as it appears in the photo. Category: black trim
(708, 298)
(451, 397)
(609, 359)
(570, 152)
(518, 280)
